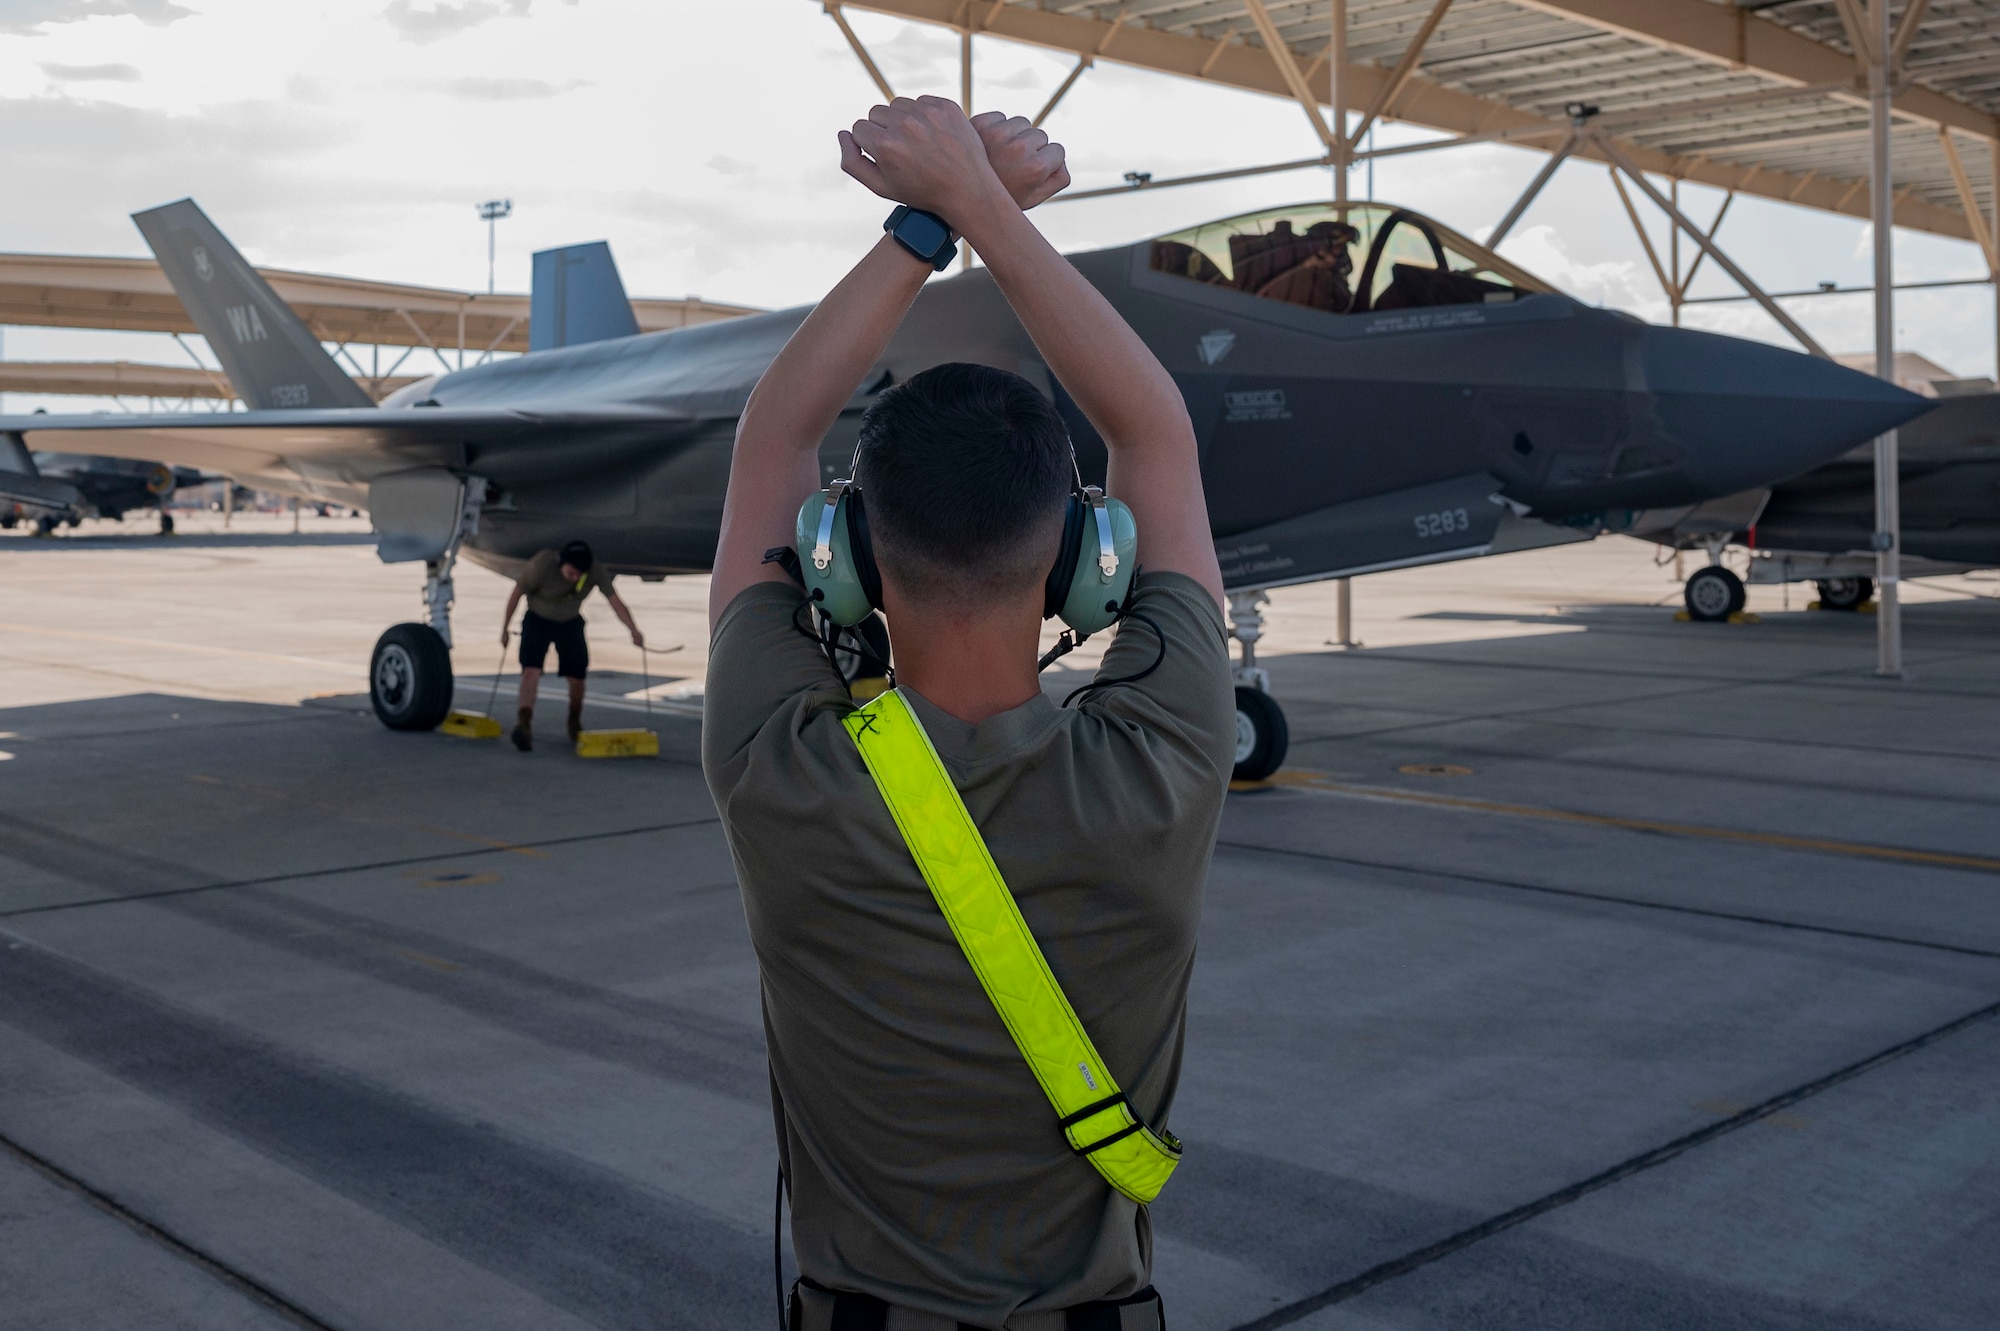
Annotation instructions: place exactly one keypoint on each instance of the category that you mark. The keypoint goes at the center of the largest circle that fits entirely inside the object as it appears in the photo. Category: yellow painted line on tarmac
(1302, 779)
(426, 959)
(198, 648)
(478, 840)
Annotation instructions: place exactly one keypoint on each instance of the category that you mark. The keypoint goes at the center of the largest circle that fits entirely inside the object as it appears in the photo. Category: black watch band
(923, 234)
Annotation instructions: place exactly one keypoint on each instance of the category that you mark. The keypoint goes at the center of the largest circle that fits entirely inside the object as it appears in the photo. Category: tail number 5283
(1442, 524)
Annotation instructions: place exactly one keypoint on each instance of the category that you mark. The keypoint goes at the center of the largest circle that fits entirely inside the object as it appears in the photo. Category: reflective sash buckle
(1096, 1118)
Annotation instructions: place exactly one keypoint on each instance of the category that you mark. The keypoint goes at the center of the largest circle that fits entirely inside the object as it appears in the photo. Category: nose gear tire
(1713, 594)
(409, 678)
(1261, 735)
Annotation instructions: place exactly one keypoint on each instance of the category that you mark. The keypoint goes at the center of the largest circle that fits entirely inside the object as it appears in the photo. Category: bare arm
(507, 619)
(619, 608)
(1124, 390)
(776, 463)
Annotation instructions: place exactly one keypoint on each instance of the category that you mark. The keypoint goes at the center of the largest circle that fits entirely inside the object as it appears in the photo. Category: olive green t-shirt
(925, 1162)
(551, 595)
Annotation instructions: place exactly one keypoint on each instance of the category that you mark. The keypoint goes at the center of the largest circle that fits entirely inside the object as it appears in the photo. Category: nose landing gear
(410, 679)
(1262, 735)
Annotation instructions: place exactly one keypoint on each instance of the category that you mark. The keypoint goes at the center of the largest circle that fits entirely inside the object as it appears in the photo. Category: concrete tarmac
(1582, 969)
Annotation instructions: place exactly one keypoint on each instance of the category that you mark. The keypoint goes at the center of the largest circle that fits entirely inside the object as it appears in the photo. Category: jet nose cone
(1749, 414)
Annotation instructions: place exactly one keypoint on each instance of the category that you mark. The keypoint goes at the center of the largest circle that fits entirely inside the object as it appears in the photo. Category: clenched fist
(924, 152)
(1030, 165)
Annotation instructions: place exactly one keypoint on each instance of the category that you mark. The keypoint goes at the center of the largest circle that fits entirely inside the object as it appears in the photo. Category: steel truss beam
(860, 51)
(1709, 247)
(1528, 195)
(1432, 105)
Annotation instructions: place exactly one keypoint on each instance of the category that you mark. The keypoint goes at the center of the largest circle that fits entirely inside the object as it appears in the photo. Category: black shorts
(566, 636)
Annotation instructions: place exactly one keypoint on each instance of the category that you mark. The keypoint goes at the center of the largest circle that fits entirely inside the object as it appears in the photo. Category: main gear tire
(1262, 736)
(409, 678)
(1713, 594)
(1845, 593)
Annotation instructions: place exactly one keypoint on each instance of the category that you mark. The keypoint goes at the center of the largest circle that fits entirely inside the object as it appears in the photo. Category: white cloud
(443, 19)
(1622, 284)
(30, 16)
(91, 73)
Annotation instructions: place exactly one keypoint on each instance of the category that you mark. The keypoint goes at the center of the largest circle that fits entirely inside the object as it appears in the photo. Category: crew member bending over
(958, 1150)
(555, 583)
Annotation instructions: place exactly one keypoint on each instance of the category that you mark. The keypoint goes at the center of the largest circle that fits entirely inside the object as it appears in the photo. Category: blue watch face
(922, 232)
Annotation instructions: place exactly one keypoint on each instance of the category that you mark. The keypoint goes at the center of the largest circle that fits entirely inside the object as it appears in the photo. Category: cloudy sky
(697, 136)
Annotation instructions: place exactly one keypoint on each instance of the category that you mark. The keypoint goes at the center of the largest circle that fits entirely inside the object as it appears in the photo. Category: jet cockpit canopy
(1344, 258)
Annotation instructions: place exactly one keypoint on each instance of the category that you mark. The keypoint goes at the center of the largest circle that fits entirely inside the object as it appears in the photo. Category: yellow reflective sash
(1092, 1112)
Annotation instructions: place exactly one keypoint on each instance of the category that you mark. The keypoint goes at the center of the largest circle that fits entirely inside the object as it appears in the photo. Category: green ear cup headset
(1087, 587)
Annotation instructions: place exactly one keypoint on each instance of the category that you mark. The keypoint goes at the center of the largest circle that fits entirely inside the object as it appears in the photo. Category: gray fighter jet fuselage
(1331, 443)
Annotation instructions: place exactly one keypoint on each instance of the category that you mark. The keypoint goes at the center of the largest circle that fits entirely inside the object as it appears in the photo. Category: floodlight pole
(1882, 208)
(491, 212)
(1336, 72)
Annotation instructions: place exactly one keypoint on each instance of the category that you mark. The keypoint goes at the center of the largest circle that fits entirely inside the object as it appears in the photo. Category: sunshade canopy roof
(1765, 97)
(69, 291)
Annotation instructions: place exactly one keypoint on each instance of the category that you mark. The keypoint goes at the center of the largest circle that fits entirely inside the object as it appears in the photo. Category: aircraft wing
(40, 491)
(330, 453)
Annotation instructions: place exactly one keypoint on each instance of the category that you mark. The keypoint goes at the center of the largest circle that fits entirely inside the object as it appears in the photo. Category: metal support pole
(1343, 610)
(1678, 287)
(1336, 71)
(1882, 208)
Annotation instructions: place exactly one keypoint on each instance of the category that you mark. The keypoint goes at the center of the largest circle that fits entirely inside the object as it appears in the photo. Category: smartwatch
(923, 234)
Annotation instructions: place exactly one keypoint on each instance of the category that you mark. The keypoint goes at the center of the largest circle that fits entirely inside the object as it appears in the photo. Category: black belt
(817, 1308)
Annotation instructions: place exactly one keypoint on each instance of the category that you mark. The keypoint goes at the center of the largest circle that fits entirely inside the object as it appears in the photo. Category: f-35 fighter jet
(1370, 389)
(1819, 527)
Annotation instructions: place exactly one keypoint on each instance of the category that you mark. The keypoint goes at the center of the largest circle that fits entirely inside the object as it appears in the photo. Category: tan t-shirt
(926, 1165)
(551, 595)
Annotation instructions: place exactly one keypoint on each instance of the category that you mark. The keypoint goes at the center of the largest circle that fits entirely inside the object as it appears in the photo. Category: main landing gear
(1261, 733)
(409, 676)
(1844, 593)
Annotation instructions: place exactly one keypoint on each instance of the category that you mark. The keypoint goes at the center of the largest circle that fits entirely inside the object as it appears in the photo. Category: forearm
(1121, 386)
(1128, 395)
(776, 465)
(803, 391)
(513, 604)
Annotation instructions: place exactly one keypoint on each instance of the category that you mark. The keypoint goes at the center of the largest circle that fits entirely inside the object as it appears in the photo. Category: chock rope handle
(494, 696)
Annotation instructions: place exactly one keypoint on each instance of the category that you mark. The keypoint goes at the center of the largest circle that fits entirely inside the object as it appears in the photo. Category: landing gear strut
(1261, 733)
(409, 676)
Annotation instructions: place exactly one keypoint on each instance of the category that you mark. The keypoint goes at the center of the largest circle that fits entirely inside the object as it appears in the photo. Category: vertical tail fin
(577, 298)
(271, 357)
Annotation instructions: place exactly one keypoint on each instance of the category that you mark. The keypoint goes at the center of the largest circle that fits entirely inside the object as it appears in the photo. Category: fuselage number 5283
(1442, 524)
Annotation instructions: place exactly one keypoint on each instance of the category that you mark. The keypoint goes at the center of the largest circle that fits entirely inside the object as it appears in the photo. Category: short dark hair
(577, 555)
(964, 470)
